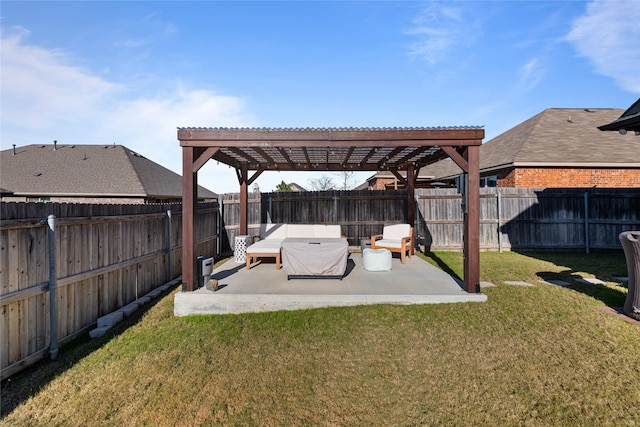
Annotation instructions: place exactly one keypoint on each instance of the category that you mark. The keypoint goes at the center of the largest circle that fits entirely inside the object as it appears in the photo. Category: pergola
(251, 151)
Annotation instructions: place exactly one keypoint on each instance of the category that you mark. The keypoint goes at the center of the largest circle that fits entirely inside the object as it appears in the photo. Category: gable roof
(87, 171)
(564, 137)
(296, 187)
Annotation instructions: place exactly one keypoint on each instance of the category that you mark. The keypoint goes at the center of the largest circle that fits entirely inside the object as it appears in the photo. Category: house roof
(296, 187)
(87, 171)
(565, 137)
(562, 137)
(628, 121)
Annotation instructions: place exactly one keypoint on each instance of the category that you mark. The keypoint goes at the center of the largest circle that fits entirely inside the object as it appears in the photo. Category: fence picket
(107, 256)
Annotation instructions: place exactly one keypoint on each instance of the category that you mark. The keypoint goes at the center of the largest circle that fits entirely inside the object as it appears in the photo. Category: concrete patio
(263, 288)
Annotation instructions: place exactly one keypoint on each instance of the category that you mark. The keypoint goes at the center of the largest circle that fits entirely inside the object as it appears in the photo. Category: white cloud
(438, 30)
(40, 87)
(609, 36)
(46, 97)
(531, 74)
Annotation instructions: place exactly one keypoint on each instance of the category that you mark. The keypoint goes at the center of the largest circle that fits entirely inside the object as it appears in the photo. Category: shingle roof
(562, 136)
(87, 170)
(554, 137)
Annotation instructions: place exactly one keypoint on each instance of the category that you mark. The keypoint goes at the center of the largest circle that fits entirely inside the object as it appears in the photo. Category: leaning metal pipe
(53, 284)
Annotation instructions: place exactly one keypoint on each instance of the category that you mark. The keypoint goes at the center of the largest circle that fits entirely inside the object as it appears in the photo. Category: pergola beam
(369, 143)
(329, 135)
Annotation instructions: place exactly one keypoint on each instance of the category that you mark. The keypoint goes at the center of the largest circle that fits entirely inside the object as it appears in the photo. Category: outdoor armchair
(395, 238)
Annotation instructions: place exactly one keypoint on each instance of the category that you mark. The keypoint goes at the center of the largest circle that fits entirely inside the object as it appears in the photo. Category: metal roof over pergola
(251, 151)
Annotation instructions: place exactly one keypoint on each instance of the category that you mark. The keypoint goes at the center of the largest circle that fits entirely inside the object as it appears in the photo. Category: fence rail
(106, 256)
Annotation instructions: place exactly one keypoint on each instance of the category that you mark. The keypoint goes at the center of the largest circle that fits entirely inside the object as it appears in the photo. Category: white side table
(240, 251)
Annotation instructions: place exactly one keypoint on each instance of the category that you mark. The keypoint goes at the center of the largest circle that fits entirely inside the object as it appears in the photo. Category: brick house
(87, 174)
(559, 147)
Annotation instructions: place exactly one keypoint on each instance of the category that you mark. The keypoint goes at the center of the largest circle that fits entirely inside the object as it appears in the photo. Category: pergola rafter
(331, 149)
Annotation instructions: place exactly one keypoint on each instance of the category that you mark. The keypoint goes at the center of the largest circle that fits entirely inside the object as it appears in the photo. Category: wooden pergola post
(189, 199)
(411, 195)
(244, 198)
(472, 222)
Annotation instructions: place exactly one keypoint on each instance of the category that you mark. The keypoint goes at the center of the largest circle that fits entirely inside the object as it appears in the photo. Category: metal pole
(586, 221)
(53, 284)
(335, 207)
(169, 245)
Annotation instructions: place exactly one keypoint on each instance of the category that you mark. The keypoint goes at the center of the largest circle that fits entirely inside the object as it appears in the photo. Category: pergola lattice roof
(331, 149)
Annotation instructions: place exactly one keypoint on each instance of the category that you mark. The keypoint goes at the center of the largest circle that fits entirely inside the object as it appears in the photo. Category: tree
(324, 183)
(283, 186)
(347, 178)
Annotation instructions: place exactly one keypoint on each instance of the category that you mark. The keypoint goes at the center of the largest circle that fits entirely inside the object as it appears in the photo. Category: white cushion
(265, 246)
(300, 230)
(320, 230)
(273, 231)
(395, 243)
(395, 231)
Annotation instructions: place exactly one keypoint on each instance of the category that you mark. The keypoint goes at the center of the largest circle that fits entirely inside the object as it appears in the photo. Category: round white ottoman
(376, 259)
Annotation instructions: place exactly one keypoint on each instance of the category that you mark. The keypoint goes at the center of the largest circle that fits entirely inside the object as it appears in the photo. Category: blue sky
(86, 72)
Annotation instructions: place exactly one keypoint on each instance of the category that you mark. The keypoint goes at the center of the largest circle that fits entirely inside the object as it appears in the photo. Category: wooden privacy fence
(510, 218)
(360, 213)
(105, 257)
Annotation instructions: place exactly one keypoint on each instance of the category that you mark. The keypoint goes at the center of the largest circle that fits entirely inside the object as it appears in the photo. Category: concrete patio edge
(190, 303)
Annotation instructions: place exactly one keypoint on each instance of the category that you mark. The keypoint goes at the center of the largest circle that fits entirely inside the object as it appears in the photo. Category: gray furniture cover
(317, 257)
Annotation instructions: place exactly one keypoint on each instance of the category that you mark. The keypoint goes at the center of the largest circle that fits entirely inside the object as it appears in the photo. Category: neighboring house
(295, 187)
(559, 147)
(87, 174)
(628, 121)
(385, 180)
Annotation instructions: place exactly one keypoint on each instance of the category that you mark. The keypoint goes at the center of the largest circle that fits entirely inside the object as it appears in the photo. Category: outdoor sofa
(272, 235)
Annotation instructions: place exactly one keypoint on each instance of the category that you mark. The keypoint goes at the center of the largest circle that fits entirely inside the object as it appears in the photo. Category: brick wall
(569, 177)
(384, 184)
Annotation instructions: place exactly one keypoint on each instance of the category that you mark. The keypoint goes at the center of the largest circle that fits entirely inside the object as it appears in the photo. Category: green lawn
(539, 356)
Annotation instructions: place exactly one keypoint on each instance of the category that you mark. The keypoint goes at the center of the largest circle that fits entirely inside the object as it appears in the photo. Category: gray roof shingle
(562, 136)
(566, 137)
(87, 170)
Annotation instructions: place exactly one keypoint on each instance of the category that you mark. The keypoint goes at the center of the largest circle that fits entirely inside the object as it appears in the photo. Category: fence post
(169, 245)
(586, 221)
(499, 208)
(223, 229)
(53, 284)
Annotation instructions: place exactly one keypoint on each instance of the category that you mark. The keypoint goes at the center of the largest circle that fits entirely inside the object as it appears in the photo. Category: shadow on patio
(263, 288)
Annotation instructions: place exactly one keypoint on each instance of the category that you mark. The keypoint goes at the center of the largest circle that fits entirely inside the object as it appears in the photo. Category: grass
(539, 356)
